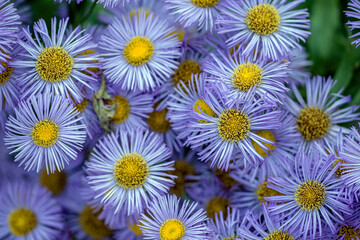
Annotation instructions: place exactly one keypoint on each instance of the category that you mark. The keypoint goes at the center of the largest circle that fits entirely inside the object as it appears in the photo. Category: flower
(28, 212)
(143, 49)
(298, 67)
(45, 132)
(311, 195)
(54, 63)
(270, 28)
(169, 218)
(354, 12)
(128, 168)
(318, 116)
(226, 228)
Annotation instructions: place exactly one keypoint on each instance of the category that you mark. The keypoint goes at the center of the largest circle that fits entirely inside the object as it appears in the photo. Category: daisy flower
(28, 212)
(226, 228)
(45, 126)
(298, 67)
(271, 28)
(201, 13)
(111, 170)
(311, 195)
(238, 75)
(54, 62)
(317, 116)
(139, 52)
(354, 13)
(169, 218)
(233, 128)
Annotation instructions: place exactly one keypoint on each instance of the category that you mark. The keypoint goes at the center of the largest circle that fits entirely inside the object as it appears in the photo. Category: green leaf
(344, 72)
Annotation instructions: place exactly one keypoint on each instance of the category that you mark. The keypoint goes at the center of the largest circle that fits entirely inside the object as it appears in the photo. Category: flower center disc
(172, 229)
(233, 125)
(348, 233)
(313, 123)
(264, 191)
(200, 104)
(138, 51)
(182, 169)
(246, 75)
(135, 229)
(92, 225)
(82, 105)
(5, 75)
(310, 195)
(340, 170)
(157, 121)
(269, 136)
(131, 171)
(185, 70)
(122, 111)
(54, 64)
(263, 19)
(215, 205)
(205, 3)
(55, 182)
(22, 221)
(279, 235)
(45, 133)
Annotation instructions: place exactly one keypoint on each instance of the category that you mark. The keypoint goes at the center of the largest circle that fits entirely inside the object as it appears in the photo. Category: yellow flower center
(347, 232)
(157, 121)
(233, 125)
(81, 106)
(341, 170)
(230, 238)
(279, 235)
(313, 123)
(122, 111)
(264, 191)
(225, 178)
(45, 133)
(310, 195)
(205, 3)
(135, 228)
(182, 169)
(22, 221)
(94, 70)
(5, 75)
(263, 19)
(215, 205)
(54, 64)
(172, 229)
(138, 51)
(246, 75)
(131, 171)
(269, 136)
(55, 182)
(139, 11)
(200, 104)
(185, 70)
(92, 225)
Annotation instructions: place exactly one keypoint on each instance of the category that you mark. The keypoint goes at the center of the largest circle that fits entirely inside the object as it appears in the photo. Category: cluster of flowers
(173, 120)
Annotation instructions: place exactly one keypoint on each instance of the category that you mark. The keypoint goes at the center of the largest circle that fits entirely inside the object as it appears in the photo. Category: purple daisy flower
(226, 228)
(317, 116)
(45, 132)
(54, 61)
(270, 28)
(298, 67)
(168, 217)
(311, 195)
(28, 212)
(139, 52)
(111, 171)
(237, 75)
(354, 12)
(233, 128)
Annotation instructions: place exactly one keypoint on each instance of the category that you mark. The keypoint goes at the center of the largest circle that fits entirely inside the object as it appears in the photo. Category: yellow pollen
(45, 133)
(81, 106)
(247, 75)
(347, 232)
(205, 108)
(225, 178)
(135, 229)
(205, 3)
(157, 121)
(138, 51)
(131, 171)
(185, 70)
(179, 33)
(172, 229)
(215, 205)
(263, 19)
(269, 136)
(310, 195)
(313, 123)
(264, 191)
(341, 170)
(55, 182)
(86, 52)
(22, 221)
(182, 169)
(279, 235)
(122, 111)
(92, 225)
(233, 125)
(5, 75)
(54, 64)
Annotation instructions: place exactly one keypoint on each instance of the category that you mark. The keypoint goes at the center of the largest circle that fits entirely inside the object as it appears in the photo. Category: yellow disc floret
(55, 182)
(340, 170)
(233, 125)
(122, 111)
(138, 51)
(313, 123)
(157, 121)
(279, 235)
(185, 70)
(347, 232)
(246, 76)
(205, 3)
(5, 75)
(310, 195)
(225, 178)
(263, 19)
(264, 191)
(92, 225)
(82, 105)
(182, 169)
(216, 205)
(172, 229)
(22, 221)
(54, 64)
(135, 228)
(269, 136)
(45, 133)
(131, 171)
(200, 104)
